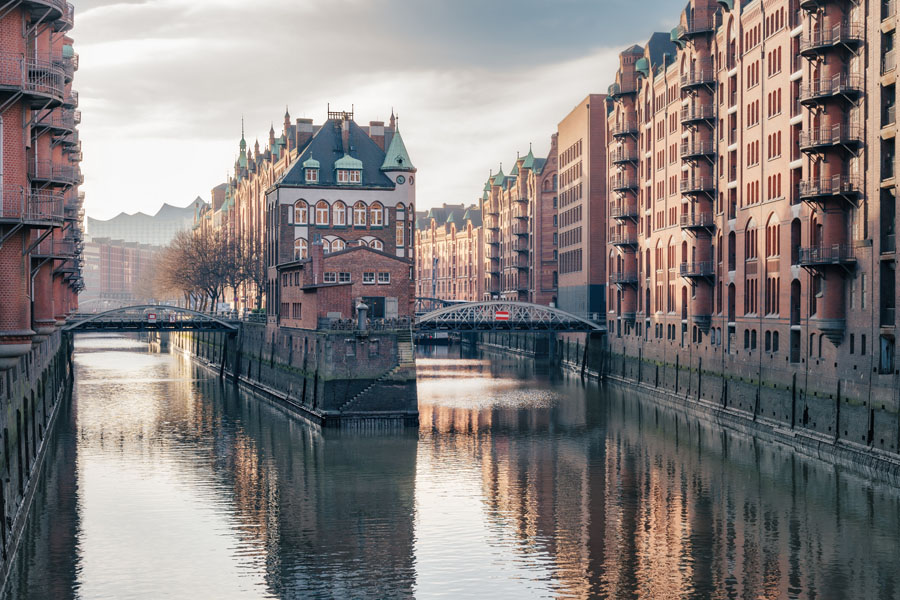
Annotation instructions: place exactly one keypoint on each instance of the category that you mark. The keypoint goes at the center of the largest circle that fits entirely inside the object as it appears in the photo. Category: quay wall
(30, 396)
(846, 419)
(333, 378)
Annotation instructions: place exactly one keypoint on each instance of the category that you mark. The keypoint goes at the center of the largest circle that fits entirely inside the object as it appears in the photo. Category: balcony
(520, 228)
(623, 278)
(822, 138)
(41, 81)
(622, 184)
(623, 155)
(521, 199)
(48, 171)
(624, 211)
(627, 128)
(697, 270)
(64, 120)
(30, 208)
(58, 9)
(67, 20)
(846, 86)
(696, 26)
(697, 185)
(824, 256)
(623, 239)
(695, 221)
(692, 150)
(700, 76)
(845, 34)
(51, 248)
(698, 114)
(625, 87)
(836, 187)
(71, 101)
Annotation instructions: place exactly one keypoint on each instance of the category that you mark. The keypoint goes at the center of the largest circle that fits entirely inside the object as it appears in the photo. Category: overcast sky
(164, 83)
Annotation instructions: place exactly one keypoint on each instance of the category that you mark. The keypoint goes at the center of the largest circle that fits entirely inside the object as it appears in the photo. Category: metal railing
(623, 239)
(623, 278)
(626, 85)
(56, 248)
(621, 184)
(623, 211)
(705, 268)
(624, 128)
(41, 77)
(17, 204)
(71, 100)
(830, 186)
(621, 155)
(832, 86)
(833, 135)
(697, 220)
(697, 149)
(844, 33)
(65, 119)
(696, 184)
(700, 112)
(700, 74)
(695, 26)
(48, 170)
(833, 254)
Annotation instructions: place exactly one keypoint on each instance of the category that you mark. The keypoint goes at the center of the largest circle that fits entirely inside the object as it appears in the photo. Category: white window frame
(301, 212)
(320, 211)
(344, 277)
(384, 277)
(377, 245)
(312, 175)
(376, 215)
(368, 278)
(329, 277)
(339, 214)
(360, 209)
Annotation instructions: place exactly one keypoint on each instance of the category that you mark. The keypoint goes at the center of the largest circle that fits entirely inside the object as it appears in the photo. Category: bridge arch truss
(149, 317)
(504, 316)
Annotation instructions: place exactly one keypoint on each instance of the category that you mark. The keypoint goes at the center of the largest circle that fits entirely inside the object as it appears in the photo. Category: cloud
(164, 83)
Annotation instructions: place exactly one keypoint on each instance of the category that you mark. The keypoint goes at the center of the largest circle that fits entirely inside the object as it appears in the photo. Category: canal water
(519, 483)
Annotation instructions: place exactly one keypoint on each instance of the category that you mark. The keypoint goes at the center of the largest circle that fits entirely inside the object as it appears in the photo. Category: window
(329, 277)
(376, 245)
(343, 277)
(301, 249)
(339, 214)
(359, 214)
(399, 235)
(368, 278)
(384, 277)
(349, 176)
(376, 215)
(312, 175)
(322, 213)
(301, 211)
(295, 310)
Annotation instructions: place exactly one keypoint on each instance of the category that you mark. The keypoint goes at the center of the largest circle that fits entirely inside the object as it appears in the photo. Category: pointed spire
(396, 157)
(393, 119)
(243, 141)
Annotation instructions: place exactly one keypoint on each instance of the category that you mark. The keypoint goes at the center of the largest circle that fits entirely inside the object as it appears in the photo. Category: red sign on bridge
(501, 315)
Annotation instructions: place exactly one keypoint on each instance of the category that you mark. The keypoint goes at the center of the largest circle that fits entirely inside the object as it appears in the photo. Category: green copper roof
(487, 185)
(311, 163)
(727, 4)
(451, 218)
(397, 158)
(68, 51)
(529, 160)
(499, 178)
(348, 162)
(515, 170)
(642, 65)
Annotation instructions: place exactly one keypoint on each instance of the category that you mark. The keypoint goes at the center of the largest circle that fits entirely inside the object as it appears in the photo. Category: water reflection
(520, 483)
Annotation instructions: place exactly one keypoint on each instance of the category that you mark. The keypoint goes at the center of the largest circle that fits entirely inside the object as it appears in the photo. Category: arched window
(301, 249)
(322, 213)
(337, 245)
(376, 245)
(339, 214)
(376, 215)
(359, 214)
(301, 211)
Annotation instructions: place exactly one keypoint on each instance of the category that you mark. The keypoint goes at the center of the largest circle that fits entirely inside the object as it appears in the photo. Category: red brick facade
(40, 207)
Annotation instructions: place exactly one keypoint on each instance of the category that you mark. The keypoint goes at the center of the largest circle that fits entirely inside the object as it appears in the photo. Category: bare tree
(253, 265)
(199, 265)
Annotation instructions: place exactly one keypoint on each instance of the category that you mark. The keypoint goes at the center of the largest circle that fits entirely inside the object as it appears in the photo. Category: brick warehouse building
(752, 202)
(450, 253)
(349, 188)
(40, 206)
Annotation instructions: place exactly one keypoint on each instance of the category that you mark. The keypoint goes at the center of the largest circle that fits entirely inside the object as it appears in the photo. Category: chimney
(317, 258)
(304, 132)
(376, 132)
(345, 135)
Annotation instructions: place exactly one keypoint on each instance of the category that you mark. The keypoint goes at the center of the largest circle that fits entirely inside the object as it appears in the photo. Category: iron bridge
(504, 316)
(149, 317)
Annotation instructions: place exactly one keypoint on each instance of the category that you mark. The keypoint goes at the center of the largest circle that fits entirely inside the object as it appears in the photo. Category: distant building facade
(118, 273)
(450, 253)
(582, 208)
(153, 230)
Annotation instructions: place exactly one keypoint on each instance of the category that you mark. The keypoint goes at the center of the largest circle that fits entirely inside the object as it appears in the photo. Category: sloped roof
(396, 158)
(327, 147)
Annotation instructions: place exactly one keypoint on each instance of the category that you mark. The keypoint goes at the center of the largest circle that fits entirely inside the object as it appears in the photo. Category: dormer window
(311, 170)
(349, 176)
(312, 175)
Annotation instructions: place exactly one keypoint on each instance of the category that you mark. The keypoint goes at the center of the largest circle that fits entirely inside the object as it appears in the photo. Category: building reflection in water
(615, 498)
(519, 483)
